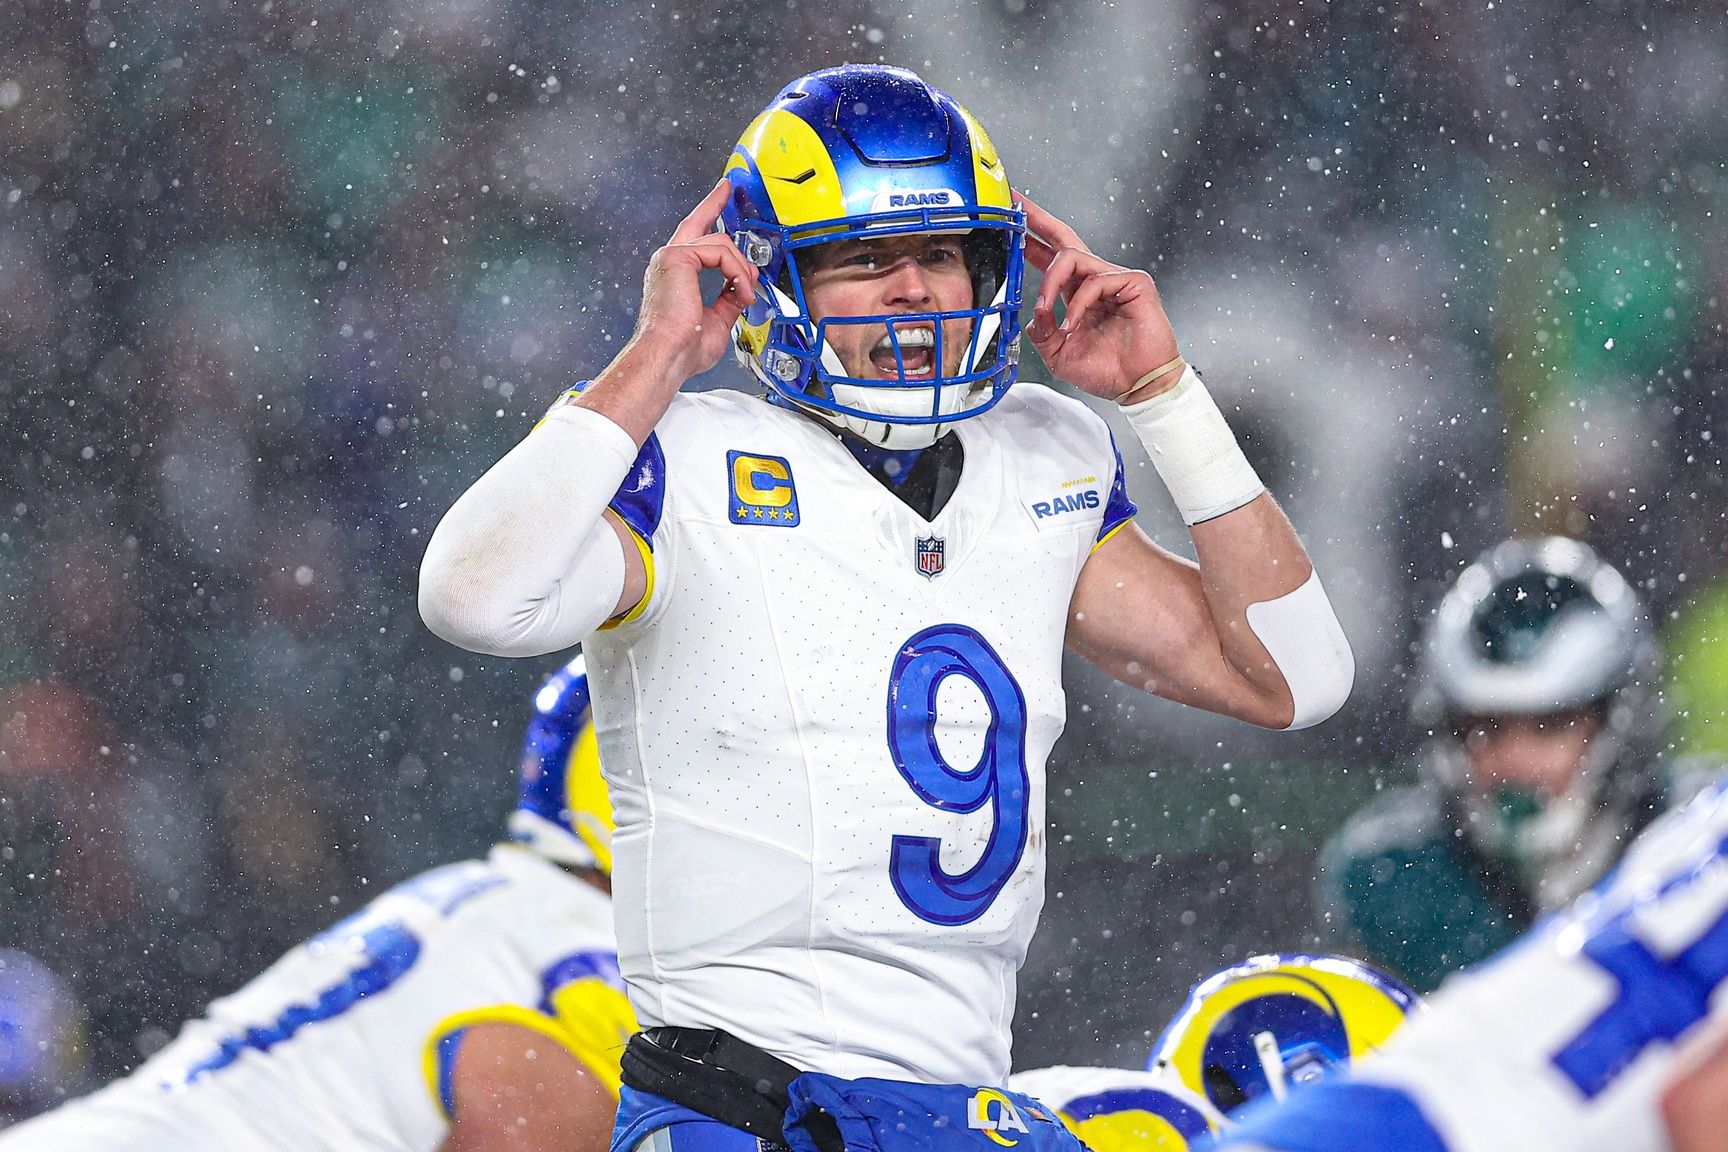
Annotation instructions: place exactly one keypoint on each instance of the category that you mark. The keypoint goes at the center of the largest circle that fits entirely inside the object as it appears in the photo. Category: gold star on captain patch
(742, 513)
(773, 514)
(756, 512)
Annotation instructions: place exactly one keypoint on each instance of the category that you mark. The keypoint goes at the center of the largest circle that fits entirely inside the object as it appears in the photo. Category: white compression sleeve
(1194, 450)
(524, 563)
(1302, 635)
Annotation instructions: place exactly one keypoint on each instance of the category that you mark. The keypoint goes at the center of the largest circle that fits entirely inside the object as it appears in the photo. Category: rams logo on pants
(1006, 1117)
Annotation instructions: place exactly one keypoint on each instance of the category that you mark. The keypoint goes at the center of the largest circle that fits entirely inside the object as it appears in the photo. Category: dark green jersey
(1402, 887)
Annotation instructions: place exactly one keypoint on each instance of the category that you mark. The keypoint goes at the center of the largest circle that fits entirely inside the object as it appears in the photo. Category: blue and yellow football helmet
(1144, 1119)
(863, 152)
(563, 810)
(41, 1037)
(1263, 1026)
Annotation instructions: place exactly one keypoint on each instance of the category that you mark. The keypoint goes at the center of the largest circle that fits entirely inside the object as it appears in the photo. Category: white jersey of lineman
(337, 1045)
(1564, 1041)
(1120, 1109)
(797, 861)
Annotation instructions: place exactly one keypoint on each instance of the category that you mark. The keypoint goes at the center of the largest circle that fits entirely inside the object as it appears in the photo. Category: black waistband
(720, 1076)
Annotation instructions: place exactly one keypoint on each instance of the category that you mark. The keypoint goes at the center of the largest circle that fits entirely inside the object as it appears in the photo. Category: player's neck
(923, 478)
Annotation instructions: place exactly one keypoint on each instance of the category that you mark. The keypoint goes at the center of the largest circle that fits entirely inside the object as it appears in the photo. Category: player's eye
(943, 254)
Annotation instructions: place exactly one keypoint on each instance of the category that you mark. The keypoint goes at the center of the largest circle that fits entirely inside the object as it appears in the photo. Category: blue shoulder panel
(448, 1046)
(594, 964)
(1181, 1115)
(642, 497)
(1118, 509)
(1336, 1116)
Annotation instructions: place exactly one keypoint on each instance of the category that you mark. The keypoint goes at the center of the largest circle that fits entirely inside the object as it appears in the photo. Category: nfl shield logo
(931, 553)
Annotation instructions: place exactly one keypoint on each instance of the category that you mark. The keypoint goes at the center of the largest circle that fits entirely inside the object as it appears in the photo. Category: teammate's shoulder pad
(1400, 818)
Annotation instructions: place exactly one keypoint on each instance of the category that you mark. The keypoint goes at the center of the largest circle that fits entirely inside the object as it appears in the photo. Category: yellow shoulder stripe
(1104, 539)
(596, 1019)
(641, 605)
(439, 1055)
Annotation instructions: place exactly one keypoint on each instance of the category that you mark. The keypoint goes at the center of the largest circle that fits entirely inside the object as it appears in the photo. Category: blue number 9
(915, 862)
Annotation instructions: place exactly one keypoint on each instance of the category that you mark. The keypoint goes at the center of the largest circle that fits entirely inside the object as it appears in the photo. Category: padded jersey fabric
(799, 859)
(336, 1046)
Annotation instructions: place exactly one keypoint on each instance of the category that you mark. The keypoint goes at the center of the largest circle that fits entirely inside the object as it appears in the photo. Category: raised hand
(1114, 331)
(678, 334)
(687, 335)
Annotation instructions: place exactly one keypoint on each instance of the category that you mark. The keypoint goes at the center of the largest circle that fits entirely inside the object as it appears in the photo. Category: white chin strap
(1271, 1063)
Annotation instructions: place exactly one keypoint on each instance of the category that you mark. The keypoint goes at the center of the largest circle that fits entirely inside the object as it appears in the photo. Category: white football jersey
(1564, 1041)
(825, 729)
(346, 1042)
(1120, 1109)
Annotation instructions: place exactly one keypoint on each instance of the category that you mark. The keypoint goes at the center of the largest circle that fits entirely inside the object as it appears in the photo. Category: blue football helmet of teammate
(865, 152)
(563, 810)
(1267, 1024)
(41, 1037)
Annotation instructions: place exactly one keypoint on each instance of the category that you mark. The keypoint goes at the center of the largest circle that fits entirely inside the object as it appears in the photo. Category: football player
(1123, 1110)
(826, 625)
(1602, 1028)
(1538, 675)
(42, 1056)
(1271, 1023)
(474, 1008)
(1258, 1028)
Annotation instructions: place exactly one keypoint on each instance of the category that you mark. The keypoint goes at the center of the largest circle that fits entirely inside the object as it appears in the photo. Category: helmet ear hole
(987, 260)
(1222, 1089)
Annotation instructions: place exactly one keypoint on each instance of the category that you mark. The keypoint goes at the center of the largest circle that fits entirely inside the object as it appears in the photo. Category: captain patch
(762, 490)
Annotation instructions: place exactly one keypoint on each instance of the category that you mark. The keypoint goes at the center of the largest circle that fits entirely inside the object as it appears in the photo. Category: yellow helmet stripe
(1198, 1028)
(794, 166)
(586, 797)
(1370, 1016)
(987, 169)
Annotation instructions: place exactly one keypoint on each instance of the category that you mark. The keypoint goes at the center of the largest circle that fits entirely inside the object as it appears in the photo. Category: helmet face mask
(867, 153)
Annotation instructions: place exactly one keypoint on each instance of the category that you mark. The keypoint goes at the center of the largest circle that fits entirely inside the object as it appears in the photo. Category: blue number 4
(999, 777)
(1659, 997)
(386, 950)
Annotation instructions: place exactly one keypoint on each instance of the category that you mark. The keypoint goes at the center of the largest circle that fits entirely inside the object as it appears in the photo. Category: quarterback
(826, 624)
(475, 1008)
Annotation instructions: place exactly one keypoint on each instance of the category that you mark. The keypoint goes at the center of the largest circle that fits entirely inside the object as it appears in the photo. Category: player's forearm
(1274, 626)
(635, 390)
(523, 563)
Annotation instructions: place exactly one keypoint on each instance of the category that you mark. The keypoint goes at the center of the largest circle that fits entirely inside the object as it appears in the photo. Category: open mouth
(917, 352)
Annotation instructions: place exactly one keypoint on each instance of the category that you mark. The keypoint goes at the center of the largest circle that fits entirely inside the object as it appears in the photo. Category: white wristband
(1194, 450)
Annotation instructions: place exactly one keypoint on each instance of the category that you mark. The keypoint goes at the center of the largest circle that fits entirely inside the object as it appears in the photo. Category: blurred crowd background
(278, 279)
